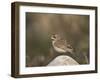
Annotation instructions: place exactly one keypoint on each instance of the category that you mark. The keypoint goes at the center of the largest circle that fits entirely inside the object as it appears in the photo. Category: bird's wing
(61, 44)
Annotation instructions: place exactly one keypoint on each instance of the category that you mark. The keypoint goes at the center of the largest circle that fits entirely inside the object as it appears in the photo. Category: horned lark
(60, 44)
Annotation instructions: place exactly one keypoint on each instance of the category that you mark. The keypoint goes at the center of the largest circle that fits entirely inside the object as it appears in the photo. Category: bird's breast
(59, 46)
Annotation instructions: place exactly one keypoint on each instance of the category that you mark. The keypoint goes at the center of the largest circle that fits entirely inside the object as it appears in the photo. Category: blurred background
(40, 27)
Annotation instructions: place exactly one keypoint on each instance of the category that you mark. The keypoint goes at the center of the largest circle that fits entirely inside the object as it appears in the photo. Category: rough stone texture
(63, 60)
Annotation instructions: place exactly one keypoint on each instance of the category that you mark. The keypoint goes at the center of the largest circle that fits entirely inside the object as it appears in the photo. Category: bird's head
(55, 37)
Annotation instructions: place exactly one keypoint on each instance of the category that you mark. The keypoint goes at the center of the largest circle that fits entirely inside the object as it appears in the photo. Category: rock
(63, 60)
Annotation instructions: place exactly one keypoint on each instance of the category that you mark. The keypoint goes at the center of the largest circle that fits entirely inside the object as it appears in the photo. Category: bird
(62, 47)
(60, 44)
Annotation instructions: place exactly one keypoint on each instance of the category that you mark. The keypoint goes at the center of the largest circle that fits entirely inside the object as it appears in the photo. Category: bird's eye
(54, 36)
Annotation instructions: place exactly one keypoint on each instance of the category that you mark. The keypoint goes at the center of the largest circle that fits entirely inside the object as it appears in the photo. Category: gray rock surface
(63, 60)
